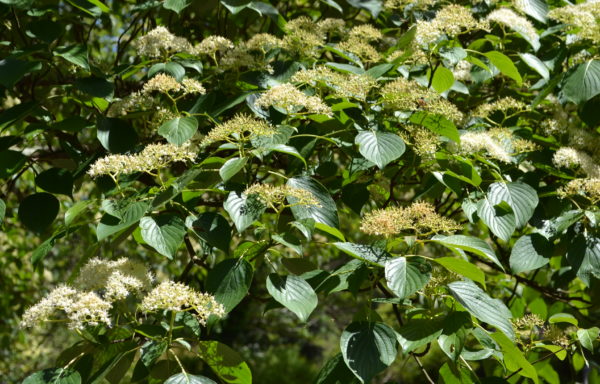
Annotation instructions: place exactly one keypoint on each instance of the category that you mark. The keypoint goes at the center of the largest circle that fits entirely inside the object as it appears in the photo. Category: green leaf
(582, 83)
(499, 218)
(294, 293)
(372, 6)
(514, 358)
(163, 233)
(176, 5)
(287, 149)
(419, 332)
(212, 228)
(442, 79)
(557, 225)
(243, 210)
(370, 253)
(469, 244)
(406, 276)
(232, 167)
(96, 86)
(38, 211)
(116, 135)
(326, 213)
(225, 362)
(235, 6)
(530, 252)
(76, 210)
(11, 162)
(335, 371)
(483, 307)
(587, 337)
(380, 147)
(436, 124)
(55, 180)
(172, 68)
(520, 197)
(114, 222)
(504, 65)
(229, 282)
(151, 351)
(536, 64)
(463, 268)
(13, 70)
(54, 376)
(563, 318)
(583, 255)
(186, 378)
(179, 130)
(538, 9)
(368, 348)
(76, 54)
(2, 210)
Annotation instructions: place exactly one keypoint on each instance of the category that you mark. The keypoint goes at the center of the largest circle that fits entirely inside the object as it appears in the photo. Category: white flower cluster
(286, 96)
(164, 83)
(517, 23)
(583, 17)
(154, 156)
(450, 20)
(504, 104)
(160, 41)
(172, 296)
(342, 84)
(472, 142)
(213, 44)
(570, 158)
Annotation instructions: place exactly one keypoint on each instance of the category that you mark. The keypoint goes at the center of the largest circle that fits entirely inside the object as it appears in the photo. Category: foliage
(226, 191)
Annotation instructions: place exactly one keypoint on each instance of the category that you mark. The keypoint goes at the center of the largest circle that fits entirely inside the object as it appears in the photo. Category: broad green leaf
(587, 337)
(225, 362)
(538, 9)
(483, 307)
(326, 213)
(436, 124)
(235, 6)
(380, 147)
(345, 68)
(582, 83)
(96, 87)
(163, 233)
(519, 196)
(454, 335)
(54, 376)
(55, 180)
(557, 225)
(232, 167)
(38, 211)
(294, 293)
(176, 5)
(229, 282)
(287, 149)
(504, 65)
(152, 350)
(212, 228)
(113, 222)
(186, 378)
(12, 70)
(583, 255)
(335, 371)
(536, 64)
(514, 358)
(563, 318)
(370, 253)
(406, 276)
(116, 135)
(76, 210)
(499, 218)
(368, 348)
(243, 210)
(469, 244)
(442, 79)
(454, 374)
(11, 162)
(76, 54)
(463, 268)
(2, 210)
(530, 252)
(172, 68)
(372, 6)
(179, 130)
(419, 332)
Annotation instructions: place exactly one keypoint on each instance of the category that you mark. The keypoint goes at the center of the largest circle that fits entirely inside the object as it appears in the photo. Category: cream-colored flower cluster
(359, 42)
(401, 4)
(424, 142)
(178, 297)
(504, 104)
(304, 37)
(584, 17)
(587, 187)
(164, 83)
(450, 21)
(154, 156)
(569, 157)
(406, 95)
(251, 54)
(419, 217)
(342, 84)
(517, 23)
(462, 71)
(213, 44)
(160, 41)
(289, 98)
(241, 128)
(498, 143)
(275, 195)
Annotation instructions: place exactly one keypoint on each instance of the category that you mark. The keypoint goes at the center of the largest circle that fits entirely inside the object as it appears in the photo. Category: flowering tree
(399, 183)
